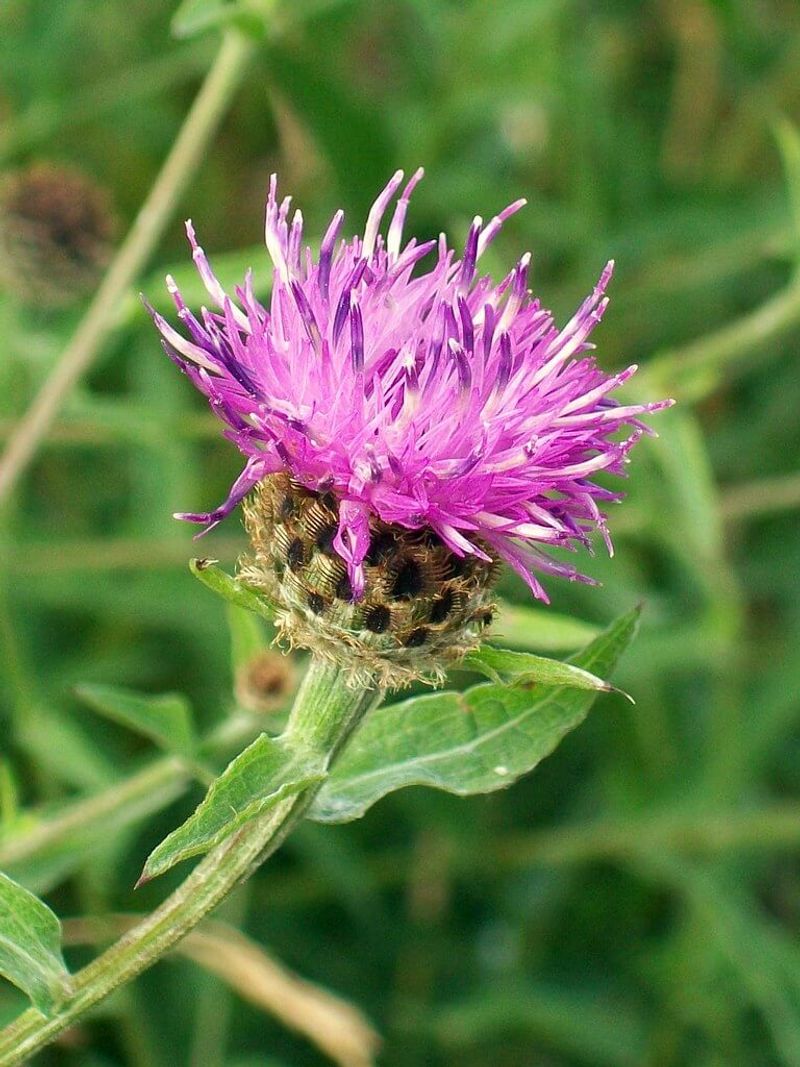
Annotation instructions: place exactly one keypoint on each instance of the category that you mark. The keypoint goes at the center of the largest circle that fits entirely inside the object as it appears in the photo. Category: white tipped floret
(213, 288)
(493, 228)
(395, 236)
(587, 399)
(274, 230)
(593, 299)
(332, 232)
(295, 239)
(517, 293)
(182, 345)
(377, 212)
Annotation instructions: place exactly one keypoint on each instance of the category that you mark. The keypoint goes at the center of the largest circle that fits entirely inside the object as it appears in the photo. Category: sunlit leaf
(266, 772)
(30, 947)
(231, 589)
(464, 743)
(526, 669)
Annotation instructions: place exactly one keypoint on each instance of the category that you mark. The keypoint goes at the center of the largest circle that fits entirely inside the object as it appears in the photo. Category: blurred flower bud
(266, 683)
(56, 231)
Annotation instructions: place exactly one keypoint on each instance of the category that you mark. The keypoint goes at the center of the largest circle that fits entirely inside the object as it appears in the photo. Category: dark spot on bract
(316, 603)
(416, 637)
(457, 566)
(430, 539)
(324, 539)
(407, 582)
(296, 554)
(441, 607)
(287, 508)
(378, 619)
(300, 489)
(344, 589)
(381, 547)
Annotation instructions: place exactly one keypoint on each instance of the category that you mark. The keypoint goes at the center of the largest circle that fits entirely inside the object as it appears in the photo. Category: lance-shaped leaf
(230, 588)
(261, 776)
(165, 719)
(525, 669)
(30, 947)
(464, 743)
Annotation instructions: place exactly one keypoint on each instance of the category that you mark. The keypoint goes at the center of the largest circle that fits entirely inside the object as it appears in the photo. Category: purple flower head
(429, 397)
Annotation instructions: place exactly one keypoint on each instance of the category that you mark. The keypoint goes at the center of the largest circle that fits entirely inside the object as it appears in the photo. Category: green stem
(122, 804)
(325, 713)
(692, 372)
(184, 158)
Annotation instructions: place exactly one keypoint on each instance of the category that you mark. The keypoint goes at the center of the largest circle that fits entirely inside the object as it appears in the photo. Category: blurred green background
(637, 900)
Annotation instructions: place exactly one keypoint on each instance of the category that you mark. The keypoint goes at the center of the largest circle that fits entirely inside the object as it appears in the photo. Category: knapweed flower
(405, 427)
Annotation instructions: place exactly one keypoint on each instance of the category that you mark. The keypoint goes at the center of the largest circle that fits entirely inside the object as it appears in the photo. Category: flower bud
(265, 683)
(56, 230)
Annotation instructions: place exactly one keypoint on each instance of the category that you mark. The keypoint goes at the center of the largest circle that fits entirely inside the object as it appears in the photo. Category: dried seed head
(422, 607)
(56, 232)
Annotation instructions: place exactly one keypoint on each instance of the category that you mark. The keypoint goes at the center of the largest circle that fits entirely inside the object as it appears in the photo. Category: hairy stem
(184, 158)
(324, 716)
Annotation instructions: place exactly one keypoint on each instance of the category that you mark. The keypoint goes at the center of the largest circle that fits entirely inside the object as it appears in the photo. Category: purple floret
(434, 399)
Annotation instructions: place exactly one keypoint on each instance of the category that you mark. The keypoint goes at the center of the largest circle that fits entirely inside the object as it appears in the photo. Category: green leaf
(464, 743)
(248, 636)
(688, 490)
(525, 669)
(64, 749)
(197, 16)
(165, 719)
(266, 772)
(30, 947)
(9, 800)
(231, 589)
(762, 956)
(539, 628)
(590, 1025)
(41, 849)
(787, 136)
(194, 16)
